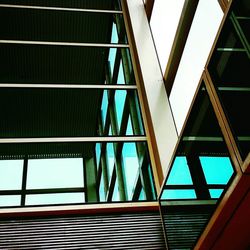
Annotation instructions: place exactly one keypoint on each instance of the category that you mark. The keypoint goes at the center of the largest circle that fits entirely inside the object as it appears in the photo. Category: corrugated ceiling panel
(49, 25)
(123, 231)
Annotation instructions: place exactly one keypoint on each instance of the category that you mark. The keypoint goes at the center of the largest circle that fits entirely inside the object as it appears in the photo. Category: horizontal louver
(130, 231)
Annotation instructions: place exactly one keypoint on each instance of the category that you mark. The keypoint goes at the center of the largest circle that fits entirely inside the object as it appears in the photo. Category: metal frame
(93, 45)
(59, 8)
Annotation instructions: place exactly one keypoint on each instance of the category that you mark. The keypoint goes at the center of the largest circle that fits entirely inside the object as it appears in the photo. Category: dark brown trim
(180, 39)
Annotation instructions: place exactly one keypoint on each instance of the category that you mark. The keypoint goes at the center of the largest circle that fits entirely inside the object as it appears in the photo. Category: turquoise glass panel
(178, 194)
(111, 59)
(110, 158)
(217, 170)
(101, 190)
(114, 35)
(129, 130)
(62, 198)
(131, 166)
(104, 106)
(180, 173)
(10, 200)
(215, 193)
(98, 154)
(142, 196)
(120, 97)
(121, 78)
(11, 172)
(55, 173)
(115, 196)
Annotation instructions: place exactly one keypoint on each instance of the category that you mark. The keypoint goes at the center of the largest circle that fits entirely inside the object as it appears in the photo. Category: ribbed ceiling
(33, 112)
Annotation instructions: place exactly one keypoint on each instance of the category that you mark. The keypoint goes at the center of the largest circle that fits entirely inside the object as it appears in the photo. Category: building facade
(92, 156)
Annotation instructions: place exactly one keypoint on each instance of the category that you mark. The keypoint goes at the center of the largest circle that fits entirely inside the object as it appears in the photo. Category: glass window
(179, 194)
(131, 166)
(10, 200)
(111, 59)
(229, 69)
(217, 170)
(110, 158)
(180, 173)
(116, 196)
(114, 35)
(101, 190)
(11, 172)
(121, 79)
(55, 173)
(215, 193)
(129, 130)
(120, 97)
(50, 199)
(98, 154)
(104, 106)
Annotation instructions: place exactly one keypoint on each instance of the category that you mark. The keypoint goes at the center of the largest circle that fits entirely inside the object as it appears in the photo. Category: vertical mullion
(24, 181)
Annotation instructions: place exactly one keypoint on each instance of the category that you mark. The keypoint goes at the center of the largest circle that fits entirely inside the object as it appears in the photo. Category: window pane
(101, 190)
(98, 154)
(120, 97)
(180, 173)
(217, 170)
(129, 130)
(178, 194)
(131, 166)
(10, 200)
(116, 196)
(11, 172)
(121, 79)
(49, 199)
(142, 196)
(55, 173)
(215, 193)
(110, 158)
(104, 107)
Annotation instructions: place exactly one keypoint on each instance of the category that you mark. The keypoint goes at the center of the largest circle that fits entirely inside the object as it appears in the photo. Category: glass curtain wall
(71, 126)
(215, 140)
